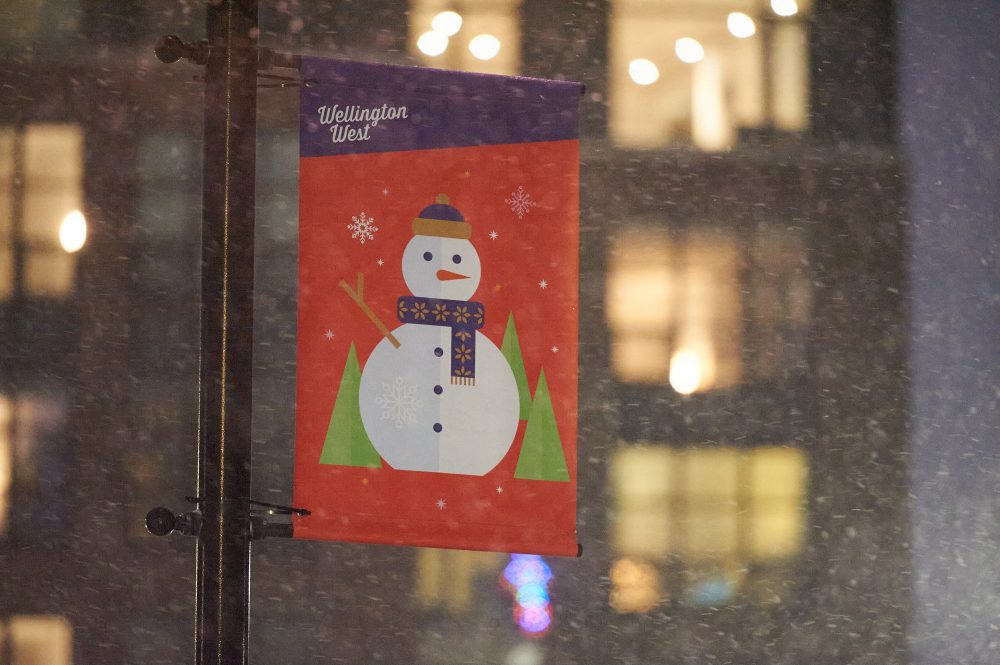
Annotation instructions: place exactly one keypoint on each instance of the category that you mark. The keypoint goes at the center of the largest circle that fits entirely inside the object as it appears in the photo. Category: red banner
(437, 309)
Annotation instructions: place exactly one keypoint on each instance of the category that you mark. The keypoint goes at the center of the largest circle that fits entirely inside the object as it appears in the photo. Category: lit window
(707, 504)
(673, 305)
(42, 225)
(717, 511)
(721, 68)
(641, 481)
(473, 35)
(33, 466)
(445, 577)
(37, 639)
(6, 462)
(776, 486)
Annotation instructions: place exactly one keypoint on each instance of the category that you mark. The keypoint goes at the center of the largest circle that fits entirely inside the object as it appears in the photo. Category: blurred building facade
(742, 472)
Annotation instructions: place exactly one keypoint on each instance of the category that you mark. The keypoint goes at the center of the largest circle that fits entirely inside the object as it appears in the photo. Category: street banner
(436, 388)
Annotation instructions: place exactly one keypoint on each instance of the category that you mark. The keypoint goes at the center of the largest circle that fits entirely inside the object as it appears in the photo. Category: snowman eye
(428, 256)
(457, 258)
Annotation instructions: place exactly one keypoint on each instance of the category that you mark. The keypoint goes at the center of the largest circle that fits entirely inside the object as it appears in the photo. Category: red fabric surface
(495, 511)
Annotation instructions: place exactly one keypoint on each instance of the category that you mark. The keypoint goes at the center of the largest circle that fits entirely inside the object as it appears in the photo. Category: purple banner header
(356, 107)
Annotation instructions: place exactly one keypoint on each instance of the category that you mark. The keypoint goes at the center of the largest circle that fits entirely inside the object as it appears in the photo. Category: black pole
(224, 467)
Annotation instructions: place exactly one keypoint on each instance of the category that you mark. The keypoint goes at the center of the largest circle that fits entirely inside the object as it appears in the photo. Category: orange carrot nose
(445, 275)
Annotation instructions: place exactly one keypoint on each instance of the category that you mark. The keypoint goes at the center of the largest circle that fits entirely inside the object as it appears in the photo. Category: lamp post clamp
(171, 48)
(162, 521)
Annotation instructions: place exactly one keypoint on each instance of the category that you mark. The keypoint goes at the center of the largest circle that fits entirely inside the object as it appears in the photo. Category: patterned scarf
(464, 317)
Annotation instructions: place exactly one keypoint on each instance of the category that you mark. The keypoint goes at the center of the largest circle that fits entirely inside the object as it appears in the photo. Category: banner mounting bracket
(171, 48)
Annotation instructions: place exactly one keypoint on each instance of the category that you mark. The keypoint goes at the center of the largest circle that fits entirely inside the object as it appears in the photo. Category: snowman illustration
(436, 394)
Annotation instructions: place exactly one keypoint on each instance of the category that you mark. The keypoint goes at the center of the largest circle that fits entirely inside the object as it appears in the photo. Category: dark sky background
(950, 129)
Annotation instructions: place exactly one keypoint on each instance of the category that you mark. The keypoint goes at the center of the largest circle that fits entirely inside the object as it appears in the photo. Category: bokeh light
(527, 577)
(689, 50)
(432, 43)
(73, 232)
(534, 620)
(643, 72)
(785, 7)
(685, 372)
(447, 23)
(740, 25)
(484, 47)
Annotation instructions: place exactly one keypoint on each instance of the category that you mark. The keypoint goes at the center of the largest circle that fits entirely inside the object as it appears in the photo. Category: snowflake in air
(362, 227)
(399, 403)
(520, 202)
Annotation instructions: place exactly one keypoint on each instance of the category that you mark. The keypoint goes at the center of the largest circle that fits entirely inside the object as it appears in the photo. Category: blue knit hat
(443, 220)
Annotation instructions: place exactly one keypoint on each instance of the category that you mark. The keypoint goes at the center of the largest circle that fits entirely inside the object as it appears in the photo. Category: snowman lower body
(418, 420)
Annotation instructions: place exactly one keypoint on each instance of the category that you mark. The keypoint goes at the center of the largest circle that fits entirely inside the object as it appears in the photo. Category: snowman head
(439, 261)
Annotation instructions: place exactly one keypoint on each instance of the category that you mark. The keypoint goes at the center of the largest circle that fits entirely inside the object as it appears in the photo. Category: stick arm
(359, 299)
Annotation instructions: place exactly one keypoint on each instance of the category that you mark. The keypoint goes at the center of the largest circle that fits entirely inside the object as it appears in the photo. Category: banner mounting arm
(171, 48)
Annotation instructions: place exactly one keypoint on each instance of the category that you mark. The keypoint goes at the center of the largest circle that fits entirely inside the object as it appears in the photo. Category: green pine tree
(541, 455)
(511, 350)
(347, 443)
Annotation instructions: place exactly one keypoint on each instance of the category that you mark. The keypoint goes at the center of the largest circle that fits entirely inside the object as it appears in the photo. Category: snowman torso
(418, 420)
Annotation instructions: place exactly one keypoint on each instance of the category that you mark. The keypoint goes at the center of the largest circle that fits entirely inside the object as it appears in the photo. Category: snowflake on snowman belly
(399, 403)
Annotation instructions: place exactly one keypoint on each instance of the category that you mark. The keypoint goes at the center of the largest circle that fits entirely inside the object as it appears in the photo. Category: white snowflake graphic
(399, 403)
(441, 503)
(494, 235)
(543, 284)
(499, 489)
(555, 349)
(362, 227)
(329, 335)
(380, 263)
(520, 202)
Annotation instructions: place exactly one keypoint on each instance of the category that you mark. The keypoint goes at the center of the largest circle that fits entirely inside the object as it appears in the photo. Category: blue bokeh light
(527, 576)
(532, 595)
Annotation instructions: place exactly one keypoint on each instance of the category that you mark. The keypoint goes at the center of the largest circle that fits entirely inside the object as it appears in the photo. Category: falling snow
(399, 403)
(520, 202)
(362, 227)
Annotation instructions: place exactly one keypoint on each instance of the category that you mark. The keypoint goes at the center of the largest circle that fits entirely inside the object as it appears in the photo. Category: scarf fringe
(463, 380)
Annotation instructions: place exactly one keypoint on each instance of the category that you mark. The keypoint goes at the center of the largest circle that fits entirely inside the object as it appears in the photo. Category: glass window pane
(6, 272)
(6, 462)
(53, 152)
(704, 73)
(40, 640)
(49, 273)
